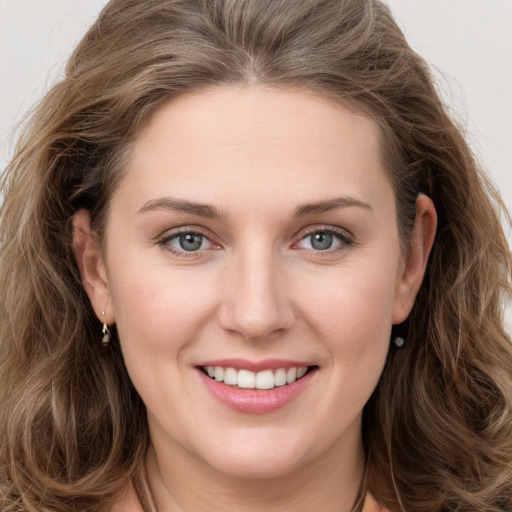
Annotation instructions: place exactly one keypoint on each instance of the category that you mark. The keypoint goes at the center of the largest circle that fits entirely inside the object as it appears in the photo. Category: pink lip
(252, 400)
(258, 366)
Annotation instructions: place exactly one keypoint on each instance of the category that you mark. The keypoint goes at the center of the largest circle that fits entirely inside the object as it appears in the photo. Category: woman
(249, 263)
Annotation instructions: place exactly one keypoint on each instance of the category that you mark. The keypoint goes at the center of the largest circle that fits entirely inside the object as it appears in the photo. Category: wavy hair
(73, 431)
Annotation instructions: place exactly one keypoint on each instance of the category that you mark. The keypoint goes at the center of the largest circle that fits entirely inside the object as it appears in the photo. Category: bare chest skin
(129, 502)
(138, 497)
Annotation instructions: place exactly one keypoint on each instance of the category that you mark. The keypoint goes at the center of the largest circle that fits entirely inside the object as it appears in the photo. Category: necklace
(143, 491)
(145, 496)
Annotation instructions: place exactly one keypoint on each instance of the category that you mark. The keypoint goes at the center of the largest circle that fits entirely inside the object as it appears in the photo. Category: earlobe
(416, 259)
(92, 268)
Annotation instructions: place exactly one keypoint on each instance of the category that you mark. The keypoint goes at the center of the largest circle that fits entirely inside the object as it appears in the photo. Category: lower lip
(253, 400)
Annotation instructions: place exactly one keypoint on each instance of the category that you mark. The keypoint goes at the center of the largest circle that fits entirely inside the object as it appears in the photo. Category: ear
(415, 262)
(92, 267)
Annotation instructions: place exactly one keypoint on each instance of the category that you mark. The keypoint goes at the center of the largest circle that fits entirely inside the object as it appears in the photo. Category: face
(254, 238)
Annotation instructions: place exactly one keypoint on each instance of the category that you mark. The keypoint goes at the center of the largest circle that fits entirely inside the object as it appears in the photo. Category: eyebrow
(178, 205)
(329, 205)
(210, 212)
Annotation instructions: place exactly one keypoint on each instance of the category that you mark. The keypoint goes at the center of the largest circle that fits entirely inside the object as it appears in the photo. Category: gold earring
(106, 333)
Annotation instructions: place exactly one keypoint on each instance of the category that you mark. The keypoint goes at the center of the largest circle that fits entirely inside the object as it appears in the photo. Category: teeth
(265, 380)
(280, 377)
(291, 375)
(301, 372)
(219, 373)
(231, 377)
(246, 379)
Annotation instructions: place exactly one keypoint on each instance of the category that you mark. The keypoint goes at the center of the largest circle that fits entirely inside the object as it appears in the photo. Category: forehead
(251, 138)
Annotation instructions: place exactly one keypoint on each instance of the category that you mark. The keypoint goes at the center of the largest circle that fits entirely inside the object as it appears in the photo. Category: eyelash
(344, 238)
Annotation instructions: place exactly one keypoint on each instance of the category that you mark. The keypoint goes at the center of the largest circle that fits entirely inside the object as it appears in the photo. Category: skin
(257, 289)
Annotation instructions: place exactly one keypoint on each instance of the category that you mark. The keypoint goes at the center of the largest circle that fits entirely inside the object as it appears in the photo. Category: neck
(179, 482)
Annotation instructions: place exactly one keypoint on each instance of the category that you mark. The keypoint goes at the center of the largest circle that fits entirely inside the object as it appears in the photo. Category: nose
(256, 305)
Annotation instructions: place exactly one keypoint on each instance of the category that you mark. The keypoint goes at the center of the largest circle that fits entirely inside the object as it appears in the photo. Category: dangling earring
(399, 341)
(106, 333)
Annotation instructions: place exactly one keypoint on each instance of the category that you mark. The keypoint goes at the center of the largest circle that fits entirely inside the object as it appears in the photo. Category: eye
(187, 241)
(323, 240)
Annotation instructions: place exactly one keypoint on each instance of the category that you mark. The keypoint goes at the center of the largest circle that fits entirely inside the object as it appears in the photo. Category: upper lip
(254, 366)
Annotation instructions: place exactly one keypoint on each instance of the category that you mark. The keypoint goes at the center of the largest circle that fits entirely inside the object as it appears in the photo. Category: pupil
(321, 241)
(191, 241)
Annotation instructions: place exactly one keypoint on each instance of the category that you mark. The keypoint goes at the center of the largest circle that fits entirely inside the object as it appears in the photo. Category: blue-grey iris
(321, 241)
(191, 241)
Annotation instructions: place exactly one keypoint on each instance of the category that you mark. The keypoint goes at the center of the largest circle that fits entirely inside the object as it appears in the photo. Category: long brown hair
(437, 430)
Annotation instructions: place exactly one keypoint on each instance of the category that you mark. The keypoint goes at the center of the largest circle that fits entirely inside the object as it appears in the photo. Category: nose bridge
(257, 304)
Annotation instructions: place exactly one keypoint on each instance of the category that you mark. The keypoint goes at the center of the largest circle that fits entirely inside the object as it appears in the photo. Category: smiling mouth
(246, 379)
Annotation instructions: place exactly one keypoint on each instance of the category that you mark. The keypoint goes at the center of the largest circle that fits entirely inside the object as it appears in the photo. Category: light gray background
(468, 42)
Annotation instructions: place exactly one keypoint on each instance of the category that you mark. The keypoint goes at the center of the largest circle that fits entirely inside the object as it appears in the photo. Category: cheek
(158, 315)
(353, 307)
(158, 309)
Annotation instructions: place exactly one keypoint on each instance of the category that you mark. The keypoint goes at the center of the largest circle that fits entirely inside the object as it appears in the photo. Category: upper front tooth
(265, 380)
(246, 379)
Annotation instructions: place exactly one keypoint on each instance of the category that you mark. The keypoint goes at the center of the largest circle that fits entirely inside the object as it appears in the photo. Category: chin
(250, 459)
(256, 467)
